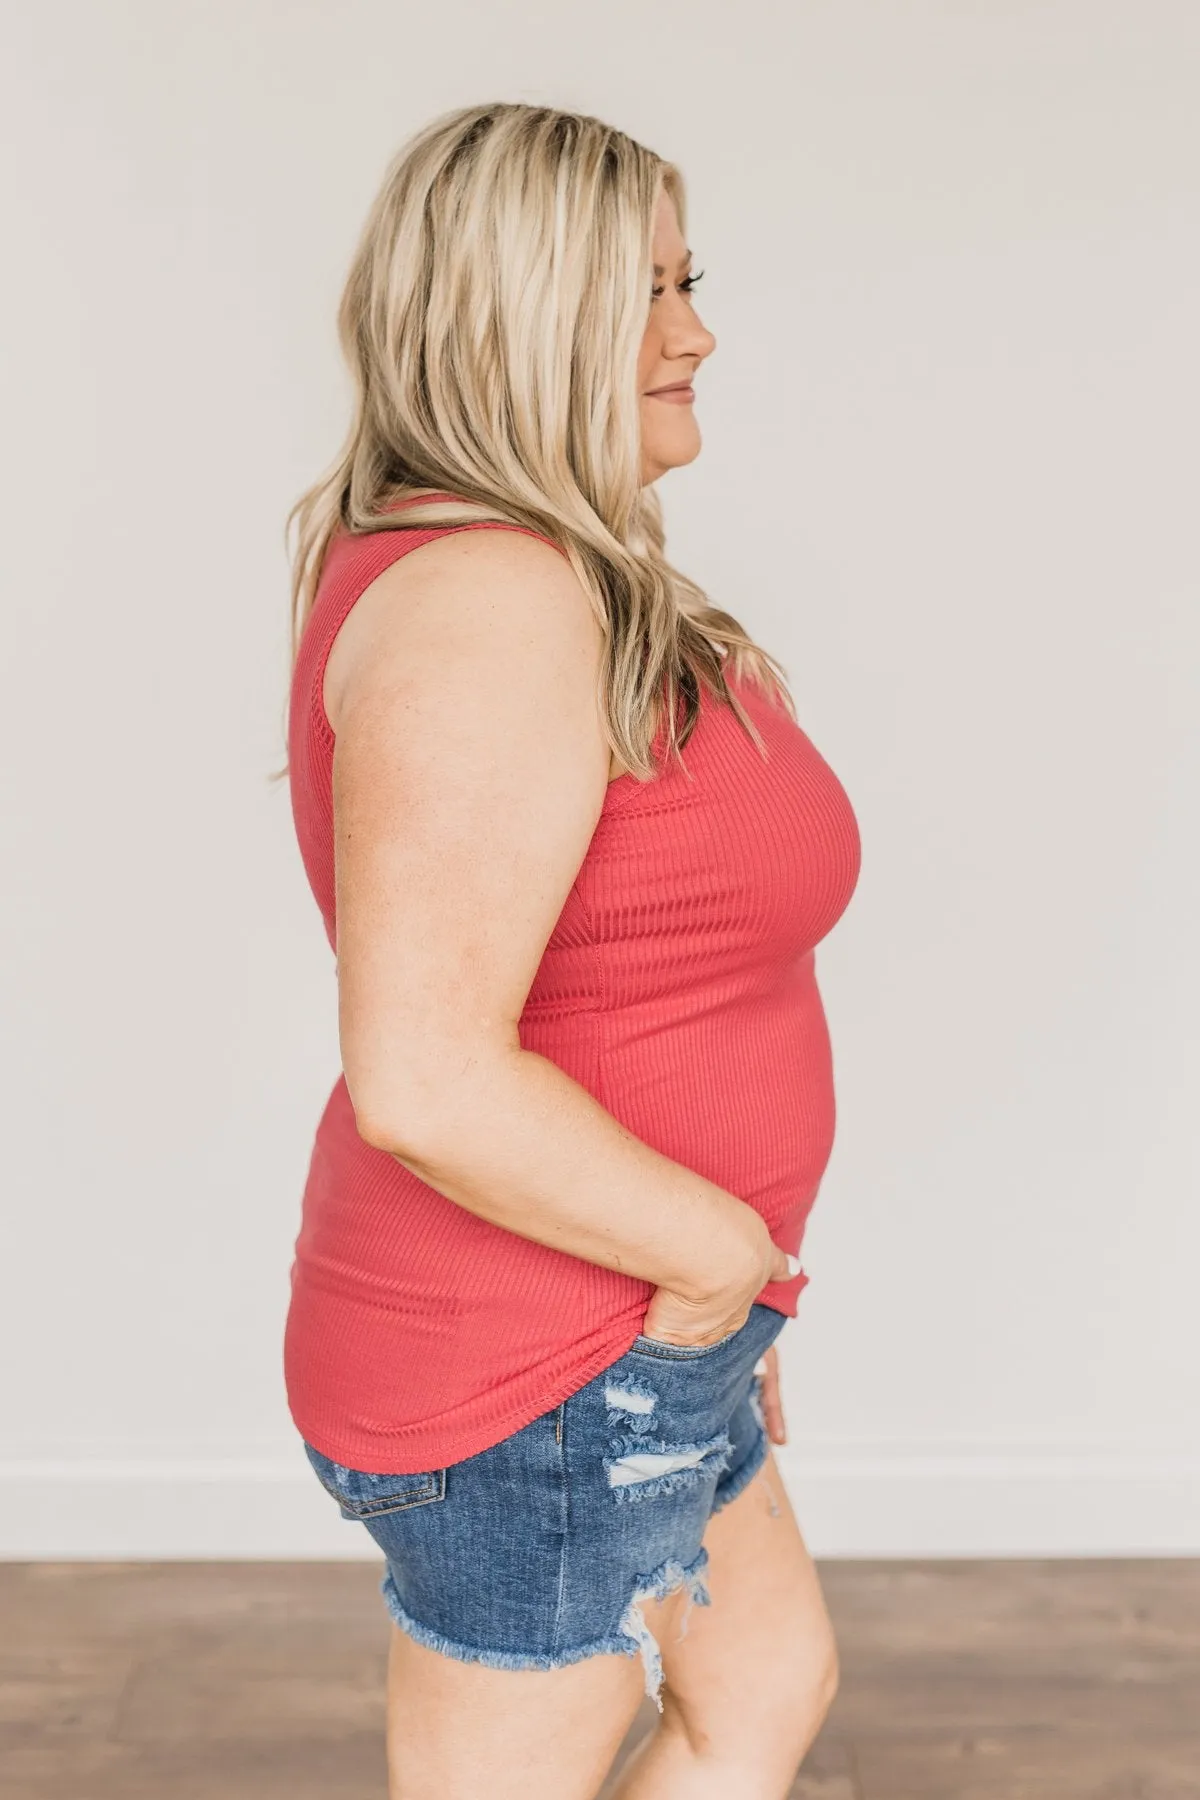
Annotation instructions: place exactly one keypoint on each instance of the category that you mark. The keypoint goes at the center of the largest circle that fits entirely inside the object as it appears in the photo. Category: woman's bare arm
(470, 770)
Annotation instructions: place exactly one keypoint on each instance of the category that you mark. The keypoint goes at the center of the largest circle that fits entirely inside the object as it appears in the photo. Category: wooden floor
(264, 1681)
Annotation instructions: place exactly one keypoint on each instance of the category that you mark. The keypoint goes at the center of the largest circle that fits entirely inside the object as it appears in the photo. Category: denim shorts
(540, 1550)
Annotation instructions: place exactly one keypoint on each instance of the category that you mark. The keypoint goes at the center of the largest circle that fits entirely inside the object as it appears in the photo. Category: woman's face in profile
(673, 348)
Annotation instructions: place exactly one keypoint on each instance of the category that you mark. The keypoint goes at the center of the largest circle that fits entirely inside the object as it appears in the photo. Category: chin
(673, 456)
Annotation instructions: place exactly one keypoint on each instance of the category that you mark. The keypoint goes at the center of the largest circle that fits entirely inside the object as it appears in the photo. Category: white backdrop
(949, 477)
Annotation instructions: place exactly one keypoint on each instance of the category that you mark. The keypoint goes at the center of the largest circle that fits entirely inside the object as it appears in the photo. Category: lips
(679, 391)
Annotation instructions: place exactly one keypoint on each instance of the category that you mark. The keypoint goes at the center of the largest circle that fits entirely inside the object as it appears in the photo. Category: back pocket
(365, 1496)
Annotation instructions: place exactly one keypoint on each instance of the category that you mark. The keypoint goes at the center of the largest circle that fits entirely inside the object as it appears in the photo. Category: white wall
(949, 477)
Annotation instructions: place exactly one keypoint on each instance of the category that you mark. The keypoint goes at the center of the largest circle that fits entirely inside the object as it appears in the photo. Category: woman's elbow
(420, 1113)
(401, 1123)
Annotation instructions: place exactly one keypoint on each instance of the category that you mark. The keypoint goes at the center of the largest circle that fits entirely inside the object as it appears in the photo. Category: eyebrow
(684, 260)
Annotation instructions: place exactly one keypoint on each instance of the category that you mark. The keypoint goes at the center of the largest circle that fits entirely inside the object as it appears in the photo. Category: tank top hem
(426, 1447)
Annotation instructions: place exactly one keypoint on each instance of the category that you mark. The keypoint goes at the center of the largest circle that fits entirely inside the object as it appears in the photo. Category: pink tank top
(678, 987)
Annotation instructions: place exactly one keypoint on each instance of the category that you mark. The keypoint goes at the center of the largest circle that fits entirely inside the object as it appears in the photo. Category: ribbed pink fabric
(678, 987)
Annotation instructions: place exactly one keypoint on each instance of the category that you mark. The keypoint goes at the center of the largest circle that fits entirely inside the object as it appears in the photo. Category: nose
(685, 334)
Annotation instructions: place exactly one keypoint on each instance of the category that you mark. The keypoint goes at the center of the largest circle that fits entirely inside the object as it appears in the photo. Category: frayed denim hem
(621, 1645)
(665, 1580)
(634, 1639)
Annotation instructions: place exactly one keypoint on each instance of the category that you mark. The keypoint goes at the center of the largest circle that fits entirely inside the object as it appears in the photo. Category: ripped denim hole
(640, 1471)
(631, 1406)
(665, 1580)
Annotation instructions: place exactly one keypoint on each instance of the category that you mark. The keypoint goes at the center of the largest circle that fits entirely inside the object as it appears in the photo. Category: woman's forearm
(517, 1141)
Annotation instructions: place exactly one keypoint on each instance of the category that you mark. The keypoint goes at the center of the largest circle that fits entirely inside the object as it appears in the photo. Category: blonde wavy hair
(492, 321)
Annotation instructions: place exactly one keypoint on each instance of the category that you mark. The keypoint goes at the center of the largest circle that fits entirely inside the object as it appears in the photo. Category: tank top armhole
(360, 561)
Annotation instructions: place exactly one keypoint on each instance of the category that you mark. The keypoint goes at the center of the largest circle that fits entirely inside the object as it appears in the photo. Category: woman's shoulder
(473, 593)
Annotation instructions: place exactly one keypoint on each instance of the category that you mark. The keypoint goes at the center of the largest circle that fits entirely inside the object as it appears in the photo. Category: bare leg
(748, 1686)
(461, 1731)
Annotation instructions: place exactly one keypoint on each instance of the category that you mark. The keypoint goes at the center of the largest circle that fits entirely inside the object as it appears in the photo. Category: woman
(578, 852)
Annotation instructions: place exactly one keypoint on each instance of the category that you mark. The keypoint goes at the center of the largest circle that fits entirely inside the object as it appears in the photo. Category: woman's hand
(708, 1314)
(772, 1400)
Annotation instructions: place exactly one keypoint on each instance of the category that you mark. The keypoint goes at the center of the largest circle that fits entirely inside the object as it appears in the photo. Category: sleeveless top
(678, 986)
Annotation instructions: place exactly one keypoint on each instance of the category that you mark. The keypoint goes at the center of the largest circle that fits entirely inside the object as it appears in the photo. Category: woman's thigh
(748, 1683)
(461, 1731)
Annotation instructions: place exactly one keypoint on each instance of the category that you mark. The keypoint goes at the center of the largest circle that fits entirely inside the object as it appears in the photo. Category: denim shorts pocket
(365, 1496)
(648, 1346)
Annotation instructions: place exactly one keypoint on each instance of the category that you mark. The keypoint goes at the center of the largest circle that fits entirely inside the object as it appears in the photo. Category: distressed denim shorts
(539, 1551)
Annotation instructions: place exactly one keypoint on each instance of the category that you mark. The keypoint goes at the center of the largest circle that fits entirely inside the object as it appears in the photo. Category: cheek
(649, 357)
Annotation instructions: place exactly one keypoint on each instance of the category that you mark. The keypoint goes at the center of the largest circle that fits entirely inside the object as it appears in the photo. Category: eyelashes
(685, 286)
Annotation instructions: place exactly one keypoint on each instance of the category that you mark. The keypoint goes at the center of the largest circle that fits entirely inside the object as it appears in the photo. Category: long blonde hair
(492, 320)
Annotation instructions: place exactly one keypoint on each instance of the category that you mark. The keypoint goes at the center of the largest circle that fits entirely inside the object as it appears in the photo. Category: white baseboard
(851, 1502)
(863, 1503)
